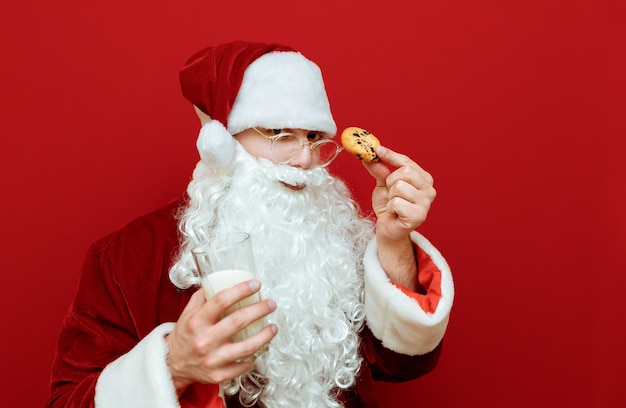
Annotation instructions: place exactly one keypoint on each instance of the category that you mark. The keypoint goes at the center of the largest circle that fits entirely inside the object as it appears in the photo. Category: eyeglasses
(286, 146)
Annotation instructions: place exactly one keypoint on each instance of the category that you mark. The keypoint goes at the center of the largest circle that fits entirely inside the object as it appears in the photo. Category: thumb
(378, 170)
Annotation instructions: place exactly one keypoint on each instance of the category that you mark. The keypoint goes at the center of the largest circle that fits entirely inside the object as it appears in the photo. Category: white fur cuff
(395, 318)
(139, 378)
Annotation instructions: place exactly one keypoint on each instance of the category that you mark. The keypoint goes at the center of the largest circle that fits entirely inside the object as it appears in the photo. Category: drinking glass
(224, 261)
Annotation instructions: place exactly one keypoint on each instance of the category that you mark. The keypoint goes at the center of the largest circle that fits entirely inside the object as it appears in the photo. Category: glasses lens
(286, 147)
(325, 152)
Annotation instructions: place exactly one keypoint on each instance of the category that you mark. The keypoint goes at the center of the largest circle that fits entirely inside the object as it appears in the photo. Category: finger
(379, 171)
(413, 189)
(217, 305)
(230, 371)
(417, 178)
(409, 214)
(217, 370)
(249, 317)
(254, 346)
(404, 168)
(232, 354)
(394, 158)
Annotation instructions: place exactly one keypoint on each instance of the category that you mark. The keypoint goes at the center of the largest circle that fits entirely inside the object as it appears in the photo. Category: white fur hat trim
(282, 90)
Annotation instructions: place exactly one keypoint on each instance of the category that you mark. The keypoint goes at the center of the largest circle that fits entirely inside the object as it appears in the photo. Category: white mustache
(296, 176)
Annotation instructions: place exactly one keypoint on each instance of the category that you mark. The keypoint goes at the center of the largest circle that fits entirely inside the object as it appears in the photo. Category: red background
(516, 107)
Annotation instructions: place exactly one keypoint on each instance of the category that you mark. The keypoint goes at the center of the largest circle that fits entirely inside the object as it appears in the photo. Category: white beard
(308, 246)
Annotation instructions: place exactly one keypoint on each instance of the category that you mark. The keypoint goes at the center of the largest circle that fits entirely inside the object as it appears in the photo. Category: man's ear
(204, 118)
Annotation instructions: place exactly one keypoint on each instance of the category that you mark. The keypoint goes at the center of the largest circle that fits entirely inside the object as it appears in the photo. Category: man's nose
(304, 159)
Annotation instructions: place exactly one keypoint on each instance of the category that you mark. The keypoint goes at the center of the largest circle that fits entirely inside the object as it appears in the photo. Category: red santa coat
(111, 349)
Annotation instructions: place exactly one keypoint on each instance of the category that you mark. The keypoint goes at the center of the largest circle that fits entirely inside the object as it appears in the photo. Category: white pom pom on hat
(215, 145)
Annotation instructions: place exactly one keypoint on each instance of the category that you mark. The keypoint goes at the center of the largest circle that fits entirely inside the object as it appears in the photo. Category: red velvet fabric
(125, 292)
(228, 62)
(429, 280)
(201, 395)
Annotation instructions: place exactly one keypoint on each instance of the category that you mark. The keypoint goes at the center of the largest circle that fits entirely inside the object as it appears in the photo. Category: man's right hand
(200, 349)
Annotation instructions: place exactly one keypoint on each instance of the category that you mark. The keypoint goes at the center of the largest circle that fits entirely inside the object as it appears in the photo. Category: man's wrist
(179, 384)
(399, 261)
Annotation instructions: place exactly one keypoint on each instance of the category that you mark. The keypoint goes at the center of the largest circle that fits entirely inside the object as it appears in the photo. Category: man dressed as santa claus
(348, 299)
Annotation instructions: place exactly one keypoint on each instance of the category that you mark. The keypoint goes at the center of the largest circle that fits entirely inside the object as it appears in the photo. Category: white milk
(217, 281)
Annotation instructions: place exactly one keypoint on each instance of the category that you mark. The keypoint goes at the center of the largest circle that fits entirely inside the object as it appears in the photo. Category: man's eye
(276, 131)
(314, 136)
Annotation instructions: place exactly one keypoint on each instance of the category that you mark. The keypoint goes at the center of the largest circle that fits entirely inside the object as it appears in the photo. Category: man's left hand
(402, 197)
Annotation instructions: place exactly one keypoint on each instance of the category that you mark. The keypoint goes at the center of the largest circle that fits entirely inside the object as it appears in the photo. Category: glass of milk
(224, 261)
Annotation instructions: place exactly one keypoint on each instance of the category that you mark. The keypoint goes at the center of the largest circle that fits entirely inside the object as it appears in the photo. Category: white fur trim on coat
(395, 318)
(139, 378)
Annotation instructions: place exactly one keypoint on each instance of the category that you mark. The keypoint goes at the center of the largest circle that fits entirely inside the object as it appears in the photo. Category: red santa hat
(243, 85)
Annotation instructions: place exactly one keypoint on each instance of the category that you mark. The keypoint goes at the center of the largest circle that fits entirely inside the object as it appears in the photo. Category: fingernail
(274, 328)
(254, 284)
(381, 150)
(271, 304)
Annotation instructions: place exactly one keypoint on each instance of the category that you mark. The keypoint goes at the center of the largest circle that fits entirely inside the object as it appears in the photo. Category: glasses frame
(312, 145)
